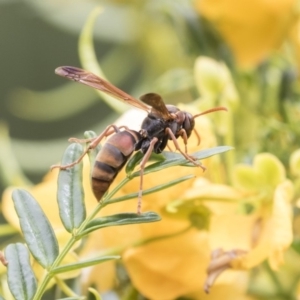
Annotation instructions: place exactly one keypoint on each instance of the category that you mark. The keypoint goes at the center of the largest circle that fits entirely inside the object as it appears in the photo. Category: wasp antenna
(211, 110)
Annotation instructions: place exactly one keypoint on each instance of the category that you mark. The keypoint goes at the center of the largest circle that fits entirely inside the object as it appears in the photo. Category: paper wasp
(163, 123)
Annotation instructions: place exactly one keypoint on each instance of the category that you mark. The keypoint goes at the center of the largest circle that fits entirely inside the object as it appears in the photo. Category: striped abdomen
(111, 159)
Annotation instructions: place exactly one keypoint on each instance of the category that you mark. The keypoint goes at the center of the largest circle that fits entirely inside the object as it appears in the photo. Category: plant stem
(280, 289)
(47, 277)
(49, 274)
(65, 288)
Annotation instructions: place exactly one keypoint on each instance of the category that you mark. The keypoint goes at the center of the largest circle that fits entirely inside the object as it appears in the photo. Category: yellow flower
(265, 174)
(252, 28)
(243, 241)
(295, 163)
(276, 231)
(263, 235)
(266, 180)
(214, 82)
(231, 285)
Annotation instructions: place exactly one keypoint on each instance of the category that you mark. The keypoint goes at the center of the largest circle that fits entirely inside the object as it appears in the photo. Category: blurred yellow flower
(232, 285)
(252, 28)
(214, 82)
(247, 239)
(265, 175)
(169, 268)
(294, 163)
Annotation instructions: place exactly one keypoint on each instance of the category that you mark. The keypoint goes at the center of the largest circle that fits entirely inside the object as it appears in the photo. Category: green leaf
(21, 280)
(176, 159)
(151, 190)
(70, 194)
(133, 161)
(84, 264)
(37, 230)
(137, 157)
(121, 219)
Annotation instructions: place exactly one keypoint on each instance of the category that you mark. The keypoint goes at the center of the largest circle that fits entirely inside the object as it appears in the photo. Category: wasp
(163, 123)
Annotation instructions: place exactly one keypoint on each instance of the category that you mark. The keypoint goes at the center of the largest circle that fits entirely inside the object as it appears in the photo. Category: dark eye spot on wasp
(163, 123)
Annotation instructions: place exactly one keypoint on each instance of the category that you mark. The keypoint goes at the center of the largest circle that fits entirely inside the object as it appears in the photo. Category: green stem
(48, 275)
(65, 288)
(280, 289)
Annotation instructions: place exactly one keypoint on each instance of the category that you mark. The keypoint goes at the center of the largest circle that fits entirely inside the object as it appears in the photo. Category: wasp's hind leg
(185, 154)
(93, 144)
(109, 132)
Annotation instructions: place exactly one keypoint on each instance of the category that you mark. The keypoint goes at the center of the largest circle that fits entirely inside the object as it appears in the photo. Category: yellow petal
(282, 236)
(202, 188)
(211, 76)
(276, 235)
(102, 275)
(169, 268)
(267, 171)
(295, 163)
(231, 231)
(252, 28)
(214, 81)
(231, 285)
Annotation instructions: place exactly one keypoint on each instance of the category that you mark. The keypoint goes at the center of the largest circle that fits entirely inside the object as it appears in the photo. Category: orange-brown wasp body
(111, 159)
(163, 123)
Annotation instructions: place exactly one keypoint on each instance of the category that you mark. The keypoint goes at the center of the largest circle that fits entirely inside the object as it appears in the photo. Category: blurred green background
(135, 43)
(35, 39)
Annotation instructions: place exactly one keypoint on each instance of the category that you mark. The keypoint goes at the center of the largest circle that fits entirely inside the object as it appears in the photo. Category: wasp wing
(156, 101)
(92, 80)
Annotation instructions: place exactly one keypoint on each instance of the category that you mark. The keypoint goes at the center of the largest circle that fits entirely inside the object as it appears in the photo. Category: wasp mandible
(163, 123)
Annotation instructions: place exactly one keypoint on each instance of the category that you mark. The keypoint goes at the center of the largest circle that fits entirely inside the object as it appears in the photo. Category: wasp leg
(109, 132)
(186, 155)
(3, 259)
(142, 167)
(92, 145)
(80, 141)
(198, 136)
(113, 129)
(183, 135)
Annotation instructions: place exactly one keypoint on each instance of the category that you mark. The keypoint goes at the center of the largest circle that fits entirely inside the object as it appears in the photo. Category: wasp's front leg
(185, 154)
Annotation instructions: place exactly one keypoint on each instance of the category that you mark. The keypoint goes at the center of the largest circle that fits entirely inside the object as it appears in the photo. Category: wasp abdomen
(111, 159)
